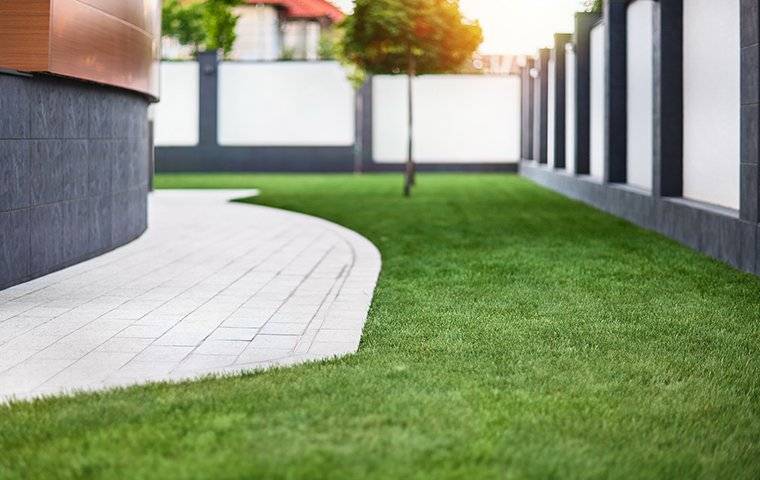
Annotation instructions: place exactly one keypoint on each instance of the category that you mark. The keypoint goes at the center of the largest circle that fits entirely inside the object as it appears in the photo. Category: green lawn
(514, 334)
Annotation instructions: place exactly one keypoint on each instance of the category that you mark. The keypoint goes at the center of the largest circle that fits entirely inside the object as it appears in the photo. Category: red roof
(305, 8)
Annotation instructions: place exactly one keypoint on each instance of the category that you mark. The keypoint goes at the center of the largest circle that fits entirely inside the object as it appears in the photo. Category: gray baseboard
(214, 158)
(715, 231)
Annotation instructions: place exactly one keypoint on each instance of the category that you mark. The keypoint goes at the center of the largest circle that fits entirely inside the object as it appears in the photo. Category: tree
(184, 23)
(409, 37)
(219, 23)
(594, 6)
(206, 25)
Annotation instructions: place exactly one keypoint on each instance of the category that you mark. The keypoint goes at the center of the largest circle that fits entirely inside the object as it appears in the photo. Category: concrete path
(211, 287)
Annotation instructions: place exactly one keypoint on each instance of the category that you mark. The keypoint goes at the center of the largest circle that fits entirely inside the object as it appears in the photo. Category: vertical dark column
(151, 155)
(540, 109)
(535, 132)
(558, 54)
(750, 107)
(616, 91)
(582, 40)
(364, 127)
(526, 110)
(667, 40)
(207, 121)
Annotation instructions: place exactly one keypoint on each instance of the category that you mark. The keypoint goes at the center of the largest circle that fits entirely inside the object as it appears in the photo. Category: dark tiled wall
(73, 173)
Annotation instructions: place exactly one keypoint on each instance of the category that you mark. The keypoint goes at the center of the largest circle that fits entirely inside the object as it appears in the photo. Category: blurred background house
(270, 30)
(283, 29)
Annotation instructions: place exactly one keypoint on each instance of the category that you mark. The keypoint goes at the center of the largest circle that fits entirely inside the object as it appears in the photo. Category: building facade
(75, 85)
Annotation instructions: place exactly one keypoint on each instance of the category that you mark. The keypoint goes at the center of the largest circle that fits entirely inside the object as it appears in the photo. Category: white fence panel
(598, 92)
(551, 113)
(640, 58)
(176, 115)
(285, 104)
(389, 118)
(711, 101)
(457, 119)
(570, 109)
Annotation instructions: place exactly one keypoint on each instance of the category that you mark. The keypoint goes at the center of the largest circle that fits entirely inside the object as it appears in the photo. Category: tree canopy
(203, 25)
(595, 6)
(382, 36)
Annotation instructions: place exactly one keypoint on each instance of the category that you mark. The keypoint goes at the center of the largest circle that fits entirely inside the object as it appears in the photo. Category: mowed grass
(514, 334)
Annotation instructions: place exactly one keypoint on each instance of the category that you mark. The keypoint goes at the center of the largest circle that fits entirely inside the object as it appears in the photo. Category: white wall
(597, 128)
(551, 113)
(258, 33)
(457, 118)
(176, 115)
(570, 108)
(301, 37)
(389, 118)
(711, 101)
(285, 104)
(640, 59)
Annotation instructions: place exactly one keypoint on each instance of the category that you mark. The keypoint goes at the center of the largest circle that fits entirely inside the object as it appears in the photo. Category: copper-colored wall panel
(24, 34)
(89, 44)
(115, 42)
(140, 13)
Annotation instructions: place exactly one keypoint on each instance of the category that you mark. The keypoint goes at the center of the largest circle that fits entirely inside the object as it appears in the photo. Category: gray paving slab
(212, 287)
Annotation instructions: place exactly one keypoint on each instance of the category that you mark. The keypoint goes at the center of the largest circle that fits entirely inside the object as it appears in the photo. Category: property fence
(305, 116)
(650, 111)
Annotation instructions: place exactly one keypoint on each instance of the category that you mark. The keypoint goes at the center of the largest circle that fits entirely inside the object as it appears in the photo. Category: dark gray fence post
(616, 91)
(749, 169)
(151, 154)
(364, 125)
(750, 113)
(667, 159)
(558, 54)
(582, 40)
(541, 106)
(526, 110)
(208, 63)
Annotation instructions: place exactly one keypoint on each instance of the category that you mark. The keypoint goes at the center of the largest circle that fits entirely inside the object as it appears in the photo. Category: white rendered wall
(457, 118)
(597, 126)
(551, 114)
(301, 38)
(570, 109)
(640, 58)
(285, 104)
(176, 115)
(389, 118)
(258, 33)
(711, 101)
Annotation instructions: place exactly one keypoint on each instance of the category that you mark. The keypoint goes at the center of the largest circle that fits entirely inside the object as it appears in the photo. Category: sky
(515, 26)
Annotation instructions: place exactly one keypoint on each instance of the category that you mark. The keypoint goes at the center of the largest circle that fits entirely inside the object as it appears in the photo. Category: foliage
(206, 25)
(399, 36)
(595, 6)
(219, 23)
(184, 23)
(288, 54)
(514, 334)
(328, 43)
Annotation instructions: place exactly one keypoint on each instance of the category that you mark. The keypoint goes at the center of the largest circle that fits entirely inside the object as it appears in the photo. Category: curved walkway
(211, 287)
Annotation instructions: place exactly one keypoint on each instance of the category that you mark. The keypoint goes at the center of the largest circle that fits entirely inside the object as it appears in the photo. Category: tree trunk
(409, 170)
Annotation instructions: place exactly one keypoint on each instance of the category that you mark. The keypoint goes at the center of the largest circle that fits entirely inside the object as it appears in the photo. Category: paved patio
(211, 287)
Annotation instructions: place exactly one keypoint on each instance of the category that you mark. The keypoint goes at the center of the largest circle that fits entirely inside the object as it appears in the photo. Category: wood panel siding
(114, 42)
(139, 13)
(24, 34)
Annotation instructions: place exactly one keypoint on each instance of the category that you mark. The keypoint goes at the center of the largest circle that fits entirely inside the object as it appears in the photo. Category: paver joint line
(212, 287)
